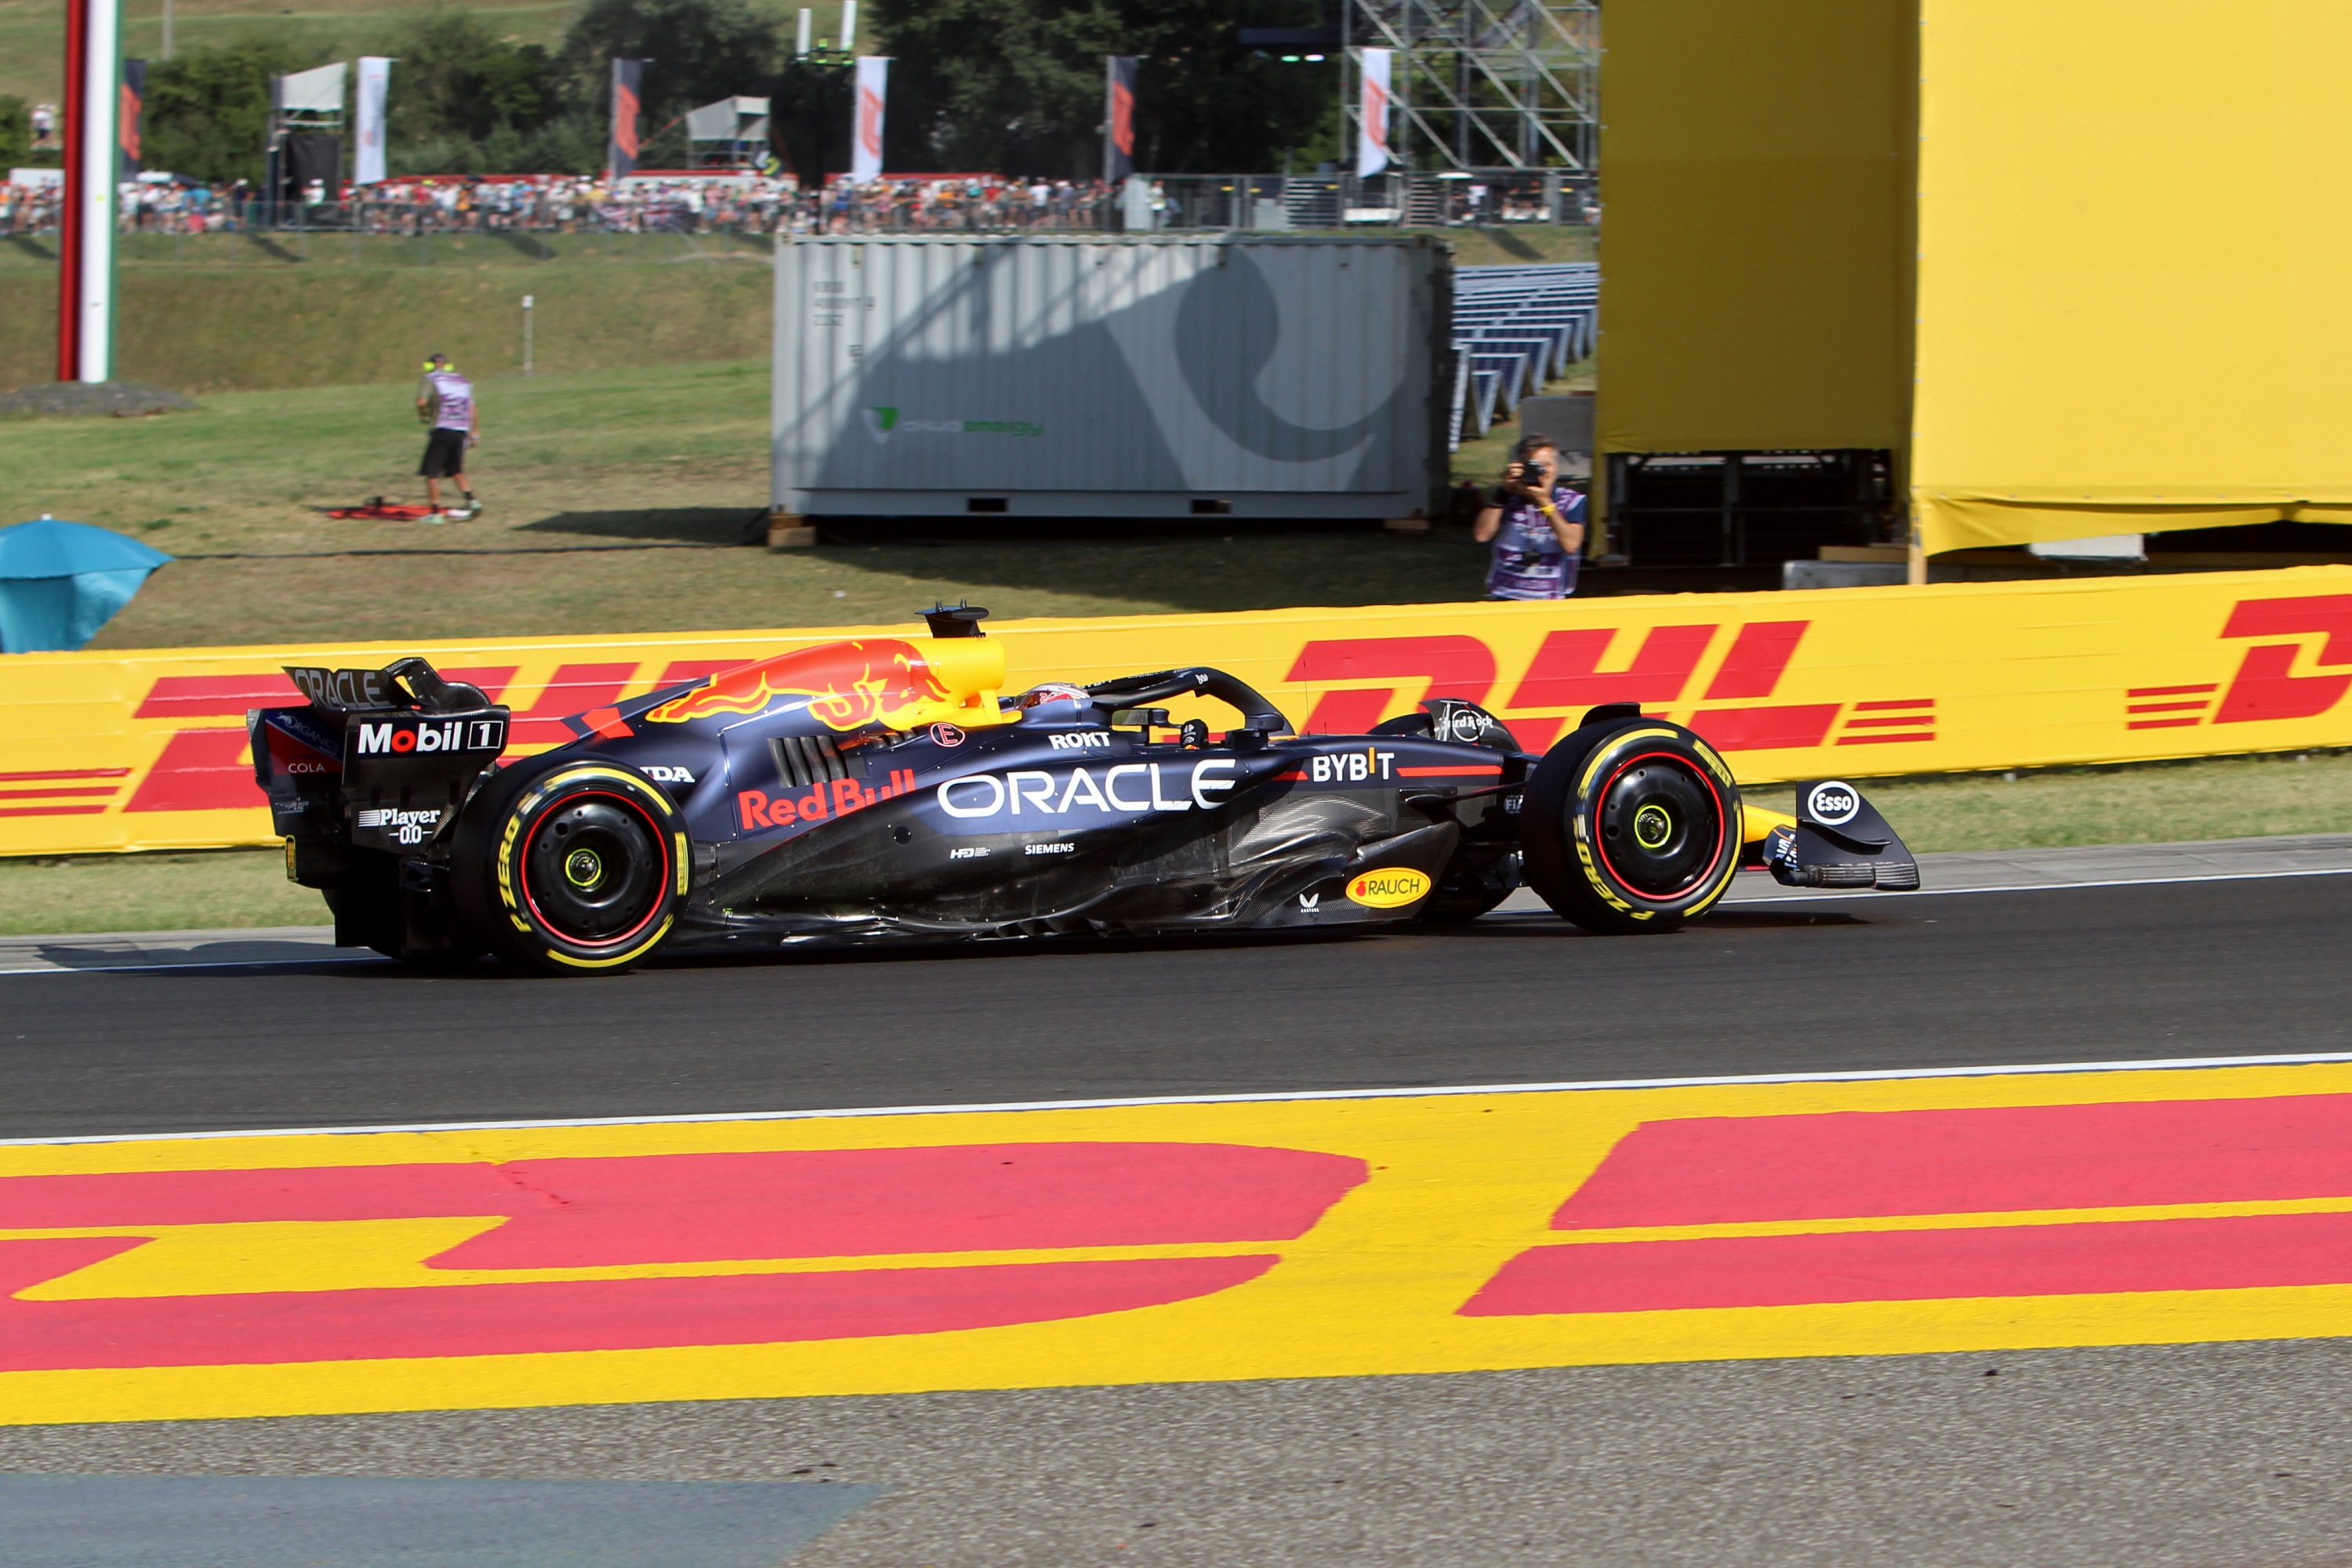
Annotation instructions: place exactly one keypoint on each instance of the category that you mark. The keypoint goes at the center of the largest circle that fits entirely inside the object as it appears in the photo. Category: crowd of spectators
(754, 203)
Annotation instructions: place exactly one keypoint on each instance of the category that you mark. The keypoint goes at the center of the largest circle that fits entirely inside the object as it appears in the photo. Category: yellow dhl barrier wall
(147, 750)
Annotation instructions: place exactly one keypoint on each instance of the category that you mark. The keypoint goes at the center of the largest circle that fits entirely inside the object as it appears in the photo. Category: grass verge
(245, 313)
(2235, 797)
(572, 466)
(153, 892)
(2146, 803)
(254, 322)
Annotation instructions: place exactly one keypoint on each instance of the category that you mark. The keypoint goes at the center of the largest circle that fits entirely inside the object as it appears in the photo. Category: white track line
(1815, 896)
(2161, 1063)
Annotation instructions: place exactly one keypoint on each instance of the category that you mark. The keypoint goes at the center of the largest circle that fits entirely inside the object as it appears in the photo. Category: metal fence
(977, 203)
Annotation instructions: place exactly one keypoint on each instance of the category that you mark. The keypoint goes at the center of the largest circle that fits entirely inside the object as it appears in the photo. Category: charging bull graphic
(845, 687)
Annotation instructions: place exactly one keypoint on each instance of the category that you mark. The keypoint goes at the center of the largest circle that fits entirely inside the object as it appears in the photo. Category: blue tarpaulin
(60, 581)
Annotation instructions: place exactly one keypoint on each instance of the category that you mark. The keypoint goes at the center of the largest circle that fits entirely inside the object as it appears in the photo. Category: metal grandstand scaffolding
(1481, 85)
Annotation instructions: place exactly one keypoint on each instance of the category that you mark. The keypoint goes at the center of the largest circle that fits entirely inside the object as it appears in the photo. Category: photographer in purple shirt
(1536, 525)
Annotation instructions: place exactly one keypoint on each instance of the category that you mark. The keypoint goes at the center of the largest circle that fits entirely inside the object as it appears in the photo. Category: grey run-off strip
(1960, 871)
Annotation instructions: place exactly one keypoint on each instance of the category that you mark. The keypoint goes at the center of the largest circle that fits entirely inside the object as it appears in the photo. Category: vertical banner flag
(1119, 118)
(1373, 132)
(130, 116)
(375, 89)
(93, 165)
(621, 152)
(865, 136)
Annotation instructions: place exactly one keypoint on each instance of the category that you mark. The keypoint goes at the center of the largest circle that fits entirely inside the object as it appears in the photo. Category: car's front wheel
(569, 866)
(1631, 826)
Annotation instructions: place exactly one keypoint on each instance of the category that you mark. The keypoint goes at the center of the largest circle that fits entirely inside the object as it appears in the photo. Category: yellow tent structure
(2079, 265)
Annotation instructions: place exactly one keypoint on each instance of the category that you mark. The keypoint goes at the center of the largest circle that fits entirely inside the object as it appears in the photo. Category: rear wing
(378, 758)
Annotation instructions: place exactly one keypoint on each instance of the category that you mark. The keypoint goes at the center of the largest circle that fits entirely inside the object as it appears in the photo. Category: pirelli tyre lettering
(1630, 825)
(572, 865)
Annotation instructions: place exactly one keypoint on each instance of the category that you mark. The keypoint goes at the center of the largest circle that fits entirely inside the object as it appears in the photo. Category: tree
(465, 100)
(208, 108)
(700, 50)
(15, 131)
(453, 77)
(1016, 86)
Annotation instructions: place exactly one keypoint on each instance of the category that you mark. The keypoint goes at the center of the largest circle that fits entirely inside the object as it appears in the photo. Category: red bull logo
(846, 685)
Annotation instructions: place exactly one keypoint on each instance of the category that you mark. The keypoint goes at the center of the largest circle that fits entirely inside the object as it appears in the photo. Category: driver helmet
(1054, 702)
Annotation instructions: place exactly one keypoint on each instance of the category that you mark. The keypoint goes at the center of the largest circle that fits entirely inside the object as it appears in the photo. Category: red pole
(70, 217)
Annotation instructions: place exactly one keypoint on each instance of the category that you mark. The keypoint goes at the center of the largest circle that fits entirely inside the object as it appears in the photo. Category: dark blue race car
(881, 788)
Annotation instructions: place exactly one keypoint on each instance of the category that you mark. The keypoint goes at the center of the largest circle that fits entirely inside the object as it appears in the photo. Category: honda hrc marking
(1008, 793)
(660, 774)
(406, 737)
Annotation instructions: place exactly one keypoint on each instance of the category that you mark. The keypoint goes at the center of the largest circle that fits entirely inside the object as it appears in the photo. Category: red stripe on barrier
(1765, 728)
(67, 774)
(200, 770)
(51, 810)
(57, 793)
(2260, 1250)
(1759, 655)
(1906, 702)
(2171, 691)
(574, 688)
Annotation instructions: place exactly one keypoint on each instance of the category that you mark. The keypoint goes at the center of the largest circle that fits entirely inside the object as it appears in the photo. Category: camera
(1534, 475)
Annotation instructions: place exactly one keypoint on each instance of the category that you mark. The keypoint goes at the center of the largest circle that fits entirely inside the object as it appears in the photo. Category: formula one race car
(880, 788)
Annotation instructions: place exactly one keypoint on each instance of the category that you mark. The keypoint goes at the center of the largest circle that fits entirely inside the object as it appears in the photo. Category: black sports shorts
(445, 455)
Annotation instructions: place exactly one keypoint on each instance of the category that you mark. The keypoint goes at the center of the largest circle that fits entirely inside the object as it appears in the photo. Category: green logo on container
(881, 420)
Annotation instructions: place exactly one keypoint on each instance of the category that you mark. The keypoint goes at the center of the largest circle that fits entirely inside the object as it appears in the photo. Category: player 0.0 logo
(1832, 803)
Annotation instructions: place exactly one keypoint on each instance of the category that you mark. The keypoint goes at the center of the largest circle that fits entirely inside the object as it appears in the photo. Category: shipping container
(1241, 375)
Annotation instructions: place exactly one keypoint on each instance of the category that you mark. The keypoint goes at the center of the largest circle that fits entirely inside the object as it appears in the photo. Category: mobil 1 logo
(408, 736)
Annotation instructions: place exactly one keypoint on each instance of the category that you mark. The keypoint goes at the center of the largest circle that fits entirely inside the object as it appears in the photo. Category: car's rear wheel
(1631, 826)
(565, 865)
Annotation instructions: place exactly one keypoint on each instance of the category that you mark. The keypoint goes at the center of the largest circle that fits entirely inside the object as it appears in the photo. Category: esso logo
(1832, 803)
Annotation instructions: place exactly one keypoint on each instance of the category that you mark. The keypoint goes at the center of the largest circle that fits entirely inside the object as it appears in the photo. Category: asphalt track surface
(2203, 1455)
(1872, 983)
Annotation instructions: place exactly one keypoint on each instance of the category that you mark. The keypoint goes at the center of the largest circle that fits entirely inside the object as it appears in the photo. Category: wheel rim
(595, 869)
(1660, 824)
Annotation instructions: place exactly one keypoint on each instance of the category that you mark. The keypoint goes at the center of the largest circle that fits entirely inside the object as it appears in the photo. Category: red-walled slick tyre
(566, 866)
(1631, 826)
